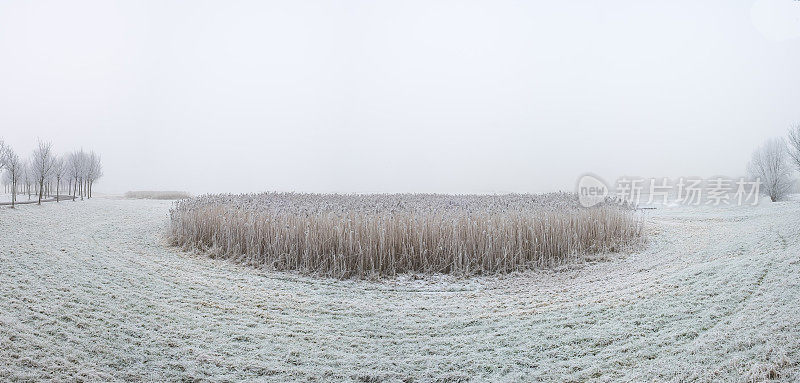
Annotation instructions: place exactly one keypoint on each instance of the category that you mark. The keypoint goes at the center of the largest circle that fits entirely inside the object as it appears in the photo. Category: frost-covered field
(6, 197)
(89, 290)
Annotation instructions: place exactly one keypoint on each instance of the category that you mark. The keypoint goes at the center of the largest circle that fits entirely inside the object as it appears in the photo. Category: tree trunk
(41, 190)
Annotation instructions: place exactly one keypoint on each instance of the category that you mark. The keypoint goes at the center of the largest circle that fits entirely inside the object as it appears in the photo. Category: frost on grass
(389, 234)
(712, 298)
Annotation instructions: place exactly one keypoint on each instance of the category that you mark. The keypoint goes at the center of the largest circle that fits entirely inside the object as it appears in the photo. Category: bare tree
(14, 170)
(74, 171)
(794, 145)
(94, 170)
(42, 165)
(45, 173)
(3, 151)
(771, 166)
(28, 178)
(6, 182)
(77, 170)
(3, 154)
(59, 172)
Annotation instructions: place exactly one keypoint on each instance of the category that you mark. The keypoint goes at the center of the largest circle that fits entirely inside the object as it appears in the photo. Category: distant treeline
(46, 173)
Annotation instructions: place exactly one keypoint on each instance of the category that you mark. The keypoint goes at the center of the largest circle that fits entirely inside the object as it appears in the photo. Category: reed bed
(366, 236)
(166, 195)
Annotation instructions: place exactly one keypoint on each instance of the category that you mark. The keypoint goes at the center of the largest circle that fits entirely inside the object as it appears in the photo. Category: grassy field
(99, 295)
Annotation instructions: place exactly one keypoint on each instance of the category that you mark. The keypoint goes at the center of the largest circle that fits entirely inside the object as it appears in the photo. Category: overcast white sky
(395, 96)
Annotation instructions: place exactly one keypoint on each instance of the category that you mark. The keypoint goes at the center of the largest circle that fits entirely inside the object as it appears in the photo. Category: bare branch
(771, 166)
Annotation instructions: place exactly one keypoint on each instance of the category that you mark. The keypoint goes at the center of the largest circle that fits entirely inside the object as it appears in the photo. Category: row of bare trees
(773, 164)
(46, 173)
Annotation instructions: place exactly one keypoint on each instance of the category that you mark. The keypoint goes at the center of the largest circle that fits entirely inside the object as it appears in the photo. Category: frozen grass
(712, 298)
(166, 195)
(6, 197)
(388, 234)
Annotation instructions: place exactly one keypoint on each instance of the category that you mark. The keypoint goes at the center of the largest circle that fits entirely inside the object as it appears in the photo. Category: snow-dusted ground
(88, 290)
(23, 198)
(6, 197)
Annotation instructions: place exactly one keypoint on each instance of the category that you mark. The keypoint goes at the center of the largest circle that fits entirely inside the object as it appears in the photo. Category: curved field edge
(712, 298)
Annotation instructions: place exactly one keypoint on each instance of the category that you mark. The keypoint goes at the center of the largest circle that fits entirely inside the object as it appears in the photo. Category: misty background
(398, 96)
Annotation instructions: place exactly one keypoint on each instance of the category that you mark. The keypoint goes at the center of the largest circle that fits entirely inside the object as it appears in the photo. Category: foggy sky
(398, 96)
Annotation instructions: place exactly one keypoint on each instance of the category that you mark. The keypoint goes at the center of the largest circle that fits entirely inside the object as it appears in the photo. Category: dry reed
(383, 235)
(145, 194)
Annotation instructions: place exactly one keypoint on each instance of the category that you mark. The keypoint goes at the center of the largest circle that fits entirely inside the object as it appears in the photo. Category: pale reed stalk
(361, 236)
